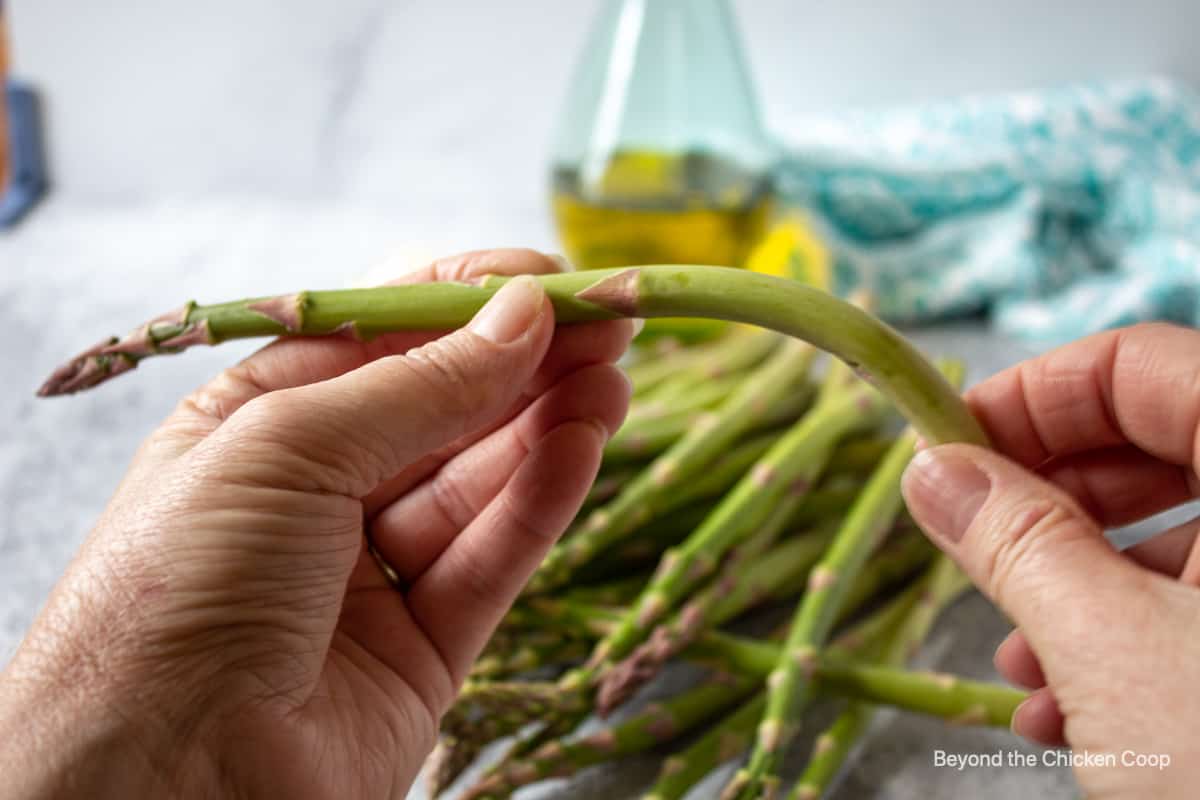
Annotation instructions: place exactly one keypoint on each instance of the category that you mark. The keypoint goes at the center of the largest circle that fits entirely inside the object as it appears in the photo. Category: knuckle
(1033, 533)
(226, 393)
(477, 581)
(451, 502)
(291, 441)
(447, 374)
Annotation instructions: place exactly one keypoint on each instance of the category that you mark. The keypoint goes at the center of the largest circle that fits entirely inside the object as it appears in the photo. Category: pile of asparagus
(737, 486)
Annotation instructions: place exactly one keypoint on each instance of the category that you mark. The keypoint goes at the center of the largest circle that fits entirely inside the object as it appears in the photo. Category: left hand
(225, 631)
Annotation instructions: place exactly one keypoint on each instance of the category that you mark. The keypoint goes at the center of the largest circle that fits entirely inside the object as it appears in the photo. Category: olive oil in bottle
(658, 208)
(660, 155)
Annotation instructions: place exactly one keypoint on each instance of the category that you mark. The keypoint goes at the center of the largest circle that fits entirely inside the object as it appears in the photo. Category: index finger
(1138, 386)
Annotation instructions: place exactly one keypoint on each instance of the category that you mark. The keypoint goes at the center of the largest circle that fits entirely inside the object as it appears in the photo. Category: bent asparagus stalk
(924, 397)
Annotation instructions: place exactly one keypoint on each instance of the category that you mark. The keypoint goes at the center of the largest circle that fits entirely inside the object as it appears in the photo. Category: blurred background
(238, 147)
(438, 115)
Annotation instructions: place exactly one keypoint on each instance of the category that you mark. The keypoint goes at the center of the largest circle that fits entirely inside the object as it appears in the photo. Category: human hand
(1099, 433)
(224, 631)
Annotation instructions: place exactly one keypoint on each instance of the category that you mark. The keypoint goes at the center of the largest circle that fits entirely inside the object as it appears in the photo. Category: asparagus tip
(617, 293)
(91, 367)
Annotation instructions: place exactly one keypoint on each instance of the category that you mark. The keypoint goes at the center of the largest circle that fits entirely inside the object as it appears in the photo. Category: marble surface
(233, 147)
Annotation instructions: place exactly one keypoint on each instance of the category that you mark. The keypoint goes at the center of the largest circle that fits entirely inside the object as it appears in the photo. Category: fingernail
(638, 324)
(628, 381)
(944, 491)
(1014, 724)
(564, 265)
(510, 312)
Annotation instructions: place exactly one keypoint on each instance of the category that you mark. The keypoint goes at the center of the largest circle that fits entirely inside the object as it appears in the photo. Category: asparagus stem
(689, 391)
(689, 456)
(831, 750)
(642, 438)
(859, 455)
(790, 467)
(938, 587)
(644, 550)
(790, 685)
(898, 558)
(738, 351)
(726, 740)
(955, 699)
(856, 337)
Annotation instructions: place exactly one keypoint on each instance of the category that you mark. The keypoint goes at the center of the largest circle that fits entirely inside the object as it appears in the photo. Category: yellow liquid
(655, 208)
(659, 208)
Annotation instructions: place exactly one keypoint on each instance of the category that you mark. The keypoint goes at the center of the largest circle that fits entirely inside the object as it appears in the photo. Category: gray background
(231, 147)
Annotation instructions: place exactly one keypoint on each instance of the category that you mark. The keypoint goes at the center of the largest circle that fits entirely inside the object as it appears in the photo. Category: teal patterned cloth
(1058, 213)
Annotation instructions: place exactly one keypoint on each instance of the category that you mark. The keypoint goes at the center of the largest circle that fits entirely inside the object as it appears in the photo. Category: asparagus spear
(959, 700)
(728, 739)
(738, 351)
(689, 456)
(940, 585)
(859, 455)
(689, 391)
(922, 395)
(639, 439)
(829, 582)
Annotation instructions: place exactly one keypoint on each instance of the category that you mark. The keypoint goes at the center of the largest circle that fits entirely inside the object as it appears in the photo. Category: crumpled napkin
(1057, 212)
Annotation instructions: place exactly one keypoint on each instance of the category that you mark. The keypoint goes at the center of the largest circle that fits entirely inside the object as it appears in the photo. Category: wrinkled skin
(1099, 433)
(224, 631)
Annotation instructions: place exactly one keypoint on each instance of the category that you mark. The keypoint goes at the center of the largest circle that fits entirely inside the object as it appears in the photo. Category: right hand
(1099, 433)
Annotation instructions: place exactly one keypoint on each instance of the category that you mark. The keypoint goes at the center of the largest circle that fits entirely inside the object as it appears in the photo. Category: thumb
(348, 434)
(1023, 541)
